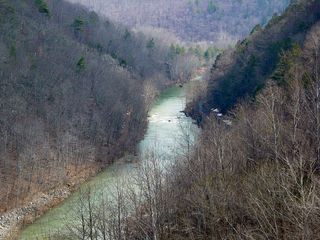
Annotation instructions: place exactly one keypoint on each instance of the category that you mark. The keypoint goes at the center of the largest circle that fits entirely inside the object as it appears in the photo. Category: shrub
(78, 24)
(42, 6)
(81, 64)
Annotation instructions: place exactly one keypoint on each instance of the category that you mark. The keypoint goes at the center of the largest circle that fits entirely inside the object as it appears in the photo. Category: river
(167, 132)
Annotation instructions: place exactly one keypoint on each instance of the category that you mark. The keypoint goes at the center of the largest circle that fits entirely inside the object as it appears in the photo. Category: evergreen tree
(42, 6)
(81, 64)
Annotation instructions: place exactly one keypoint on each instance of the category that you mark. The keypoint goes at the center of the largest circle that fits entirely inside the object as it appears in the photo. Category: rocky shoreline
(11, 222)
(14, 220)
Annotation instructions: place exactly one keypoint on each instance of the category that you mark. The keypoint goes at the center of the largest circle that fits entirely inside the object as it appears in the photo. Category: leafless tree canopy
(257, 178)
(221, 21)
(75, 89)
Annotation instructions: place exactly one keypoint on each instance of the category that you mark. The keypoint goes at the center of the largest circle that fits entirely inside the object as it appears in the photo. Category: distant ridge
(192, 20)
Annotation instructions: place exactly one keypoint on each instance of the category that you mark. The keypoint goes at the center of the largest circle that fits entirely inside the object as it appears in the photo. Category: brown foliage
(259, 178)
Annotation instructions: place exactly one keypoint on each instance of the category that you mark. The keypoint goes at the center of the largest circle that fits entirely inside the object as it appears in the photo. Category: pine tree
(42, 6)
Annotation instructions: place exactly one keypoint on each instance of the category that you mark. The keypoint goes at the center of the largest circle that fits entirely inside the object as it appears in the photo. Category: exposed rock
(15, 218)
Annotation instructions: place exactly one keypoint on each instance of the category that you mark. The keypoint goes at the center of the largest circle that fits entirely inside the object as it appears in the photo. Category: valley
(159, 120)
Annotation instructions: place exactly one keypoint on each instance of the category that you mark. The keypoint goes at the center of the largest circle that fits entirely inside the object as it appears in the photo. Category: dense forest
(67, 78)
(222, 21)
(76, 89)
(258, 177)
(242, 72)
(254, 178)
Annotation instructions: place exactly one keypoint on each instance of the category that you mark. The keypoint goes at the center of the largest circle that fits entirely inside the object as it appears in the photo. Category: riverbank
(15, 219)
(164, 129)
(12, 222)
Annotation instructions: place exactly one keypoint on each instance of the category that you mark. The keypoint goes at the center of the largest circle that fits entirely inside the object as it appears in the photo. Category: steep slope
(66, 103)
(242, 72)
(220, 20)
(258, 177)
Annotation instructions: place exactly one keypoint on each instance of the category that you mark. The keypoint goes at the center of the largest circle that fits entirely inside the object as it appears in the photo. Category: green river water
(166, 133)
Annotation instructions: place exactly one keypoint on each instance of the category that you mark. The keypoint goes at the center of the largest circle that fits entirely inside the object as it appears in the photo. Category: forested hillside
(259, 177)
(75, 93)
(67, 79)
(242, 72)
(221, 21)
(256, 177)
(254, 173)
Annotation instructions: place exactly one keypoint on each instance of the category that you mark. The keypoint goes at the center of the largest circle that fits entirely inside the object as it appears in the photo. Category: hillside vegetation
(67, 79)
(259, 178)
(221, 21)
(243, 71)
(256, 178)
